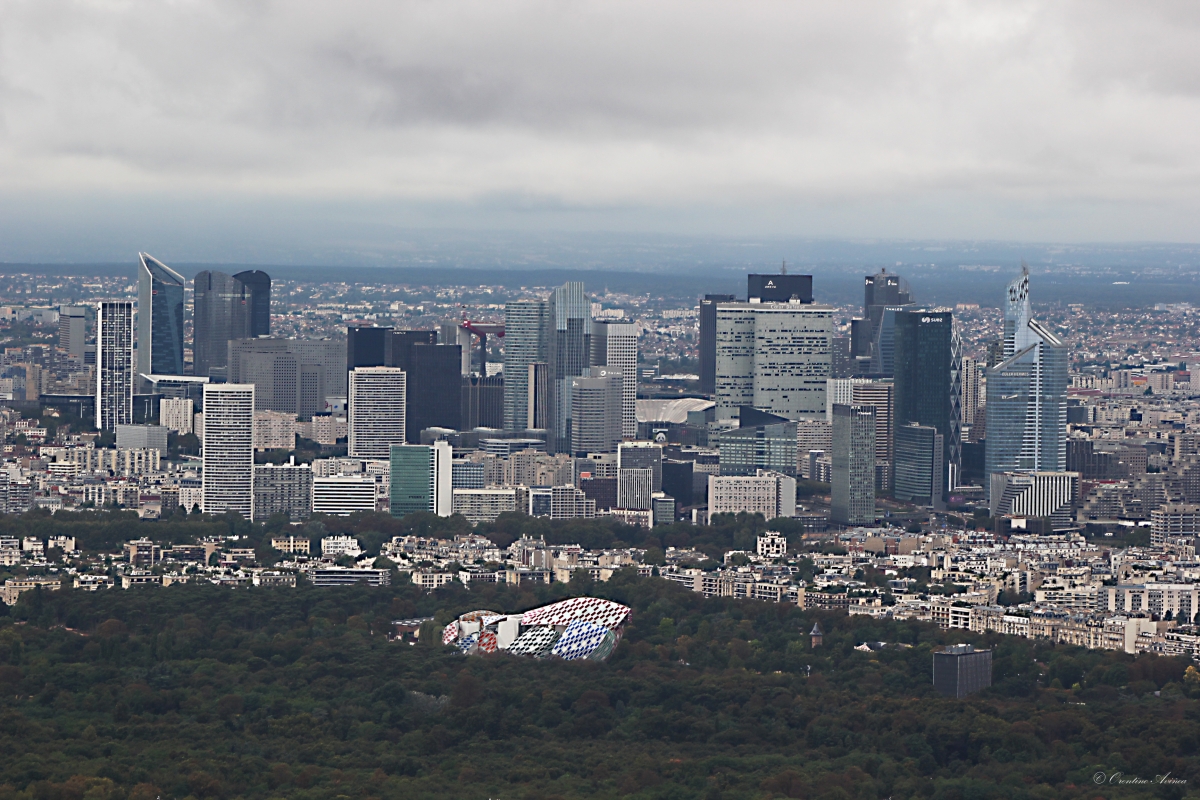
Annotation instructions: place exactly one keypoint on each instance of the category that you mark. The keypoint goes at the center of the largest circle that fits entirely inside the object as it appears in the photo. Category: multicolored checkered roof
(585, 609)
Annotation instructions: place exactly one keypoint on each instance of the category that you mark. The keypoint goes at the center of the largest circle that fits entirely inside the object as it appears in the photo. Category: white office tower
(176, 414)
(596, 411)
(634, 488)
(377, 411)
(114, 364)
(228, 454)
(72, 329)
(775, 357)
(616, 346)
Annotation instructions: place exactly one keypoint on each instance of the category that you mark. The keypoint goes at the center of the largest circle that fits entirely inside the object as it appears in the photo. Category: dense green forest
(214, 692)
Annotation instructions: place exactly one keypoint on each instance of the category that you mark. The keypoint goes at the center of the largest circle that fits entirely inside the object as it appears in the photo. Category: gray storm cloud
(967, 118)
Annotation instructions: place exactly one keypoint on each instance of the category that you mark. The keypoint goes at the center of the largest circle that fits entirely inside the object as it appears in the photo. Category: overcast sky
(221, 127)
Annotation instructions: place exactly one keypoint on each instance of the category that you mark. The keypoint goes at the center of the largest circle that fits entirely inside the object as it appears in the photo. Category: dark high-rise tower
(227, 308)
(258, 295)
(928, 387)
(708, 340)
(368, 347)
(434, 374)
(871, 337)
(160, 318)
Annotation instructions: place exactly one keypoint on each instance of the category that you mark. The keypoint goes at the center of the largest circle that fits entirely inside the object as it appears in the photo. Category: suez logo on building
(933, 319)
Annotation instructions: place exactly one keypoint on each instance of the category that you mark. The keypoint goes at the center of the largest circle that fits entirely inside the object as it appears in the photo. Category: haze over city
(599, 400)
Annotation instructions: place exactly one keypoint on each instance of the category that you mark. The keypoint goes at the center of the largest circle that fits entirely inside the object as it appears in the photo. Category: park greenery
(212, 691)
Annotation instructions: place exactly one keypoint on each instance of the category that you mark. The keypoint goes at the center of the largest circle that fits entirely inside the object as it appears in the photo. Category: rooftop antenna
(1024, 267)
(783, 269)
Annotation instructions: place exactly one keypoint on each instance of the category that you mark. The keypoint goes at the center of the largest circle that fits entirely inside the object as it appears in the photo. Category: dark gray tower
(569, 351)
(221, 315)
(708, 340)
(258, 299)
(160, 318)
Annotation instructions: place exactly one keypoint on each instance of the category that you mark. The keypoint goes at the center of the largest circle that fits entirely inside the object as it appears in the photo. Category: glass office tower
(1026, 394)
(160, 318)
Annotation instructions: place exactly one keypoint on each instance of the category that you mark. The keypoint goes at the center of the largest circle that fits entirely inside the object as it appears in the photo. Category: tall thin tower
(160, 318)
(114, 364)
(378, 406)
(524, 344)
(227, 481)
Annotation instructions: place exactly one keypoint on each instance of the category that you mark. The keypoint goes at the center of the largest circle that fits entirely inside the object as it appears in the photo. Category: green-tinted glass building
(421, 479)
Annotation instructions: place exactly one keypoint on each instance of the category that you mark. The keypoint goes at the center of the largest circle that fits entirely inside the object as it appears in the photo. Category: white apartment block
(176, 414)
(771, 494)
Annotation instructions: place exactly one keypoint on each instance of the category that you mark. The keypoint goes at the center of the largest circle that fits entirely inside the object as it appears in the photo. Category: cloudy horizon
(204, 128)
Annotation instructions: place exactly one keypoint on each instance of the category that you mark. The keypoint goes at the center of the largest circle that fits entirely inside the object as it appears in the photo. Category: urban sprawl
(1036, 475)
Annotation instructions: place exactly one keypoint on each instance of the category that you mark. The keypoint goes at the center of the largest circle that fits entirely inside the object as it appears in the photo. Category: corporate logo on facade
(770, 285)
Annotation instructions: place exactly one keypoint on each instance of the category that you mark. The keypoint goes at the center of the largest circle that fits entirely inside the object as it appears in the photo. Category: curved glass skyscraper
(160, 318)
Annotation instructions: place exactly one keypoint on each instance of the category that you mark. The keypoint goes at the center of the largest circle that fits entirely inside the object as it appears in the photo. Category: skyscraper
(1026, 409)
(615, 345)
(928, 387)
(852, 484)
(114, 364)
(227, 480)
(871, 336)
(421, 479)
(918, 467)
(72, 329)
(596, 411)
(434, 386)
(524, 344)
(377, 411)
(568, 353)
(774, 357)
(970, 389)
(781, 288)
(258, 293)
(227, 308)
(708, 340)
(160, 318)
(368, 347)
(286, 375)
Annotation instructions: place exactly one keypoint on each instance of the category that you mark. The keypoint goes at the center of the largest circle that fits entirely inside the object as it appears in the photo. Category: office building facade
(768, 493)
(377, 411)
(774, 357)
(761, 441)
(918, 473)
(1043, 495)
(343, 495)
(72, 330)
(227, 308)
(928, 385)
(285, 489)
(596, 410)
(524, 345)
(568, 355)
(422, 479)
(160, 318)
(114, 364)
(1026, 411)
(615, 345)
(708, 340)
(227, 479)
(852, 484)
(434, 384)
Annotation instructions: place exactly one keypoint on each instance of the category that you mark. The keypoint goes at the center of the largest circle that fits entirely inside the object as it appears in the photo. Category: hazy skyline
(274, 131)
